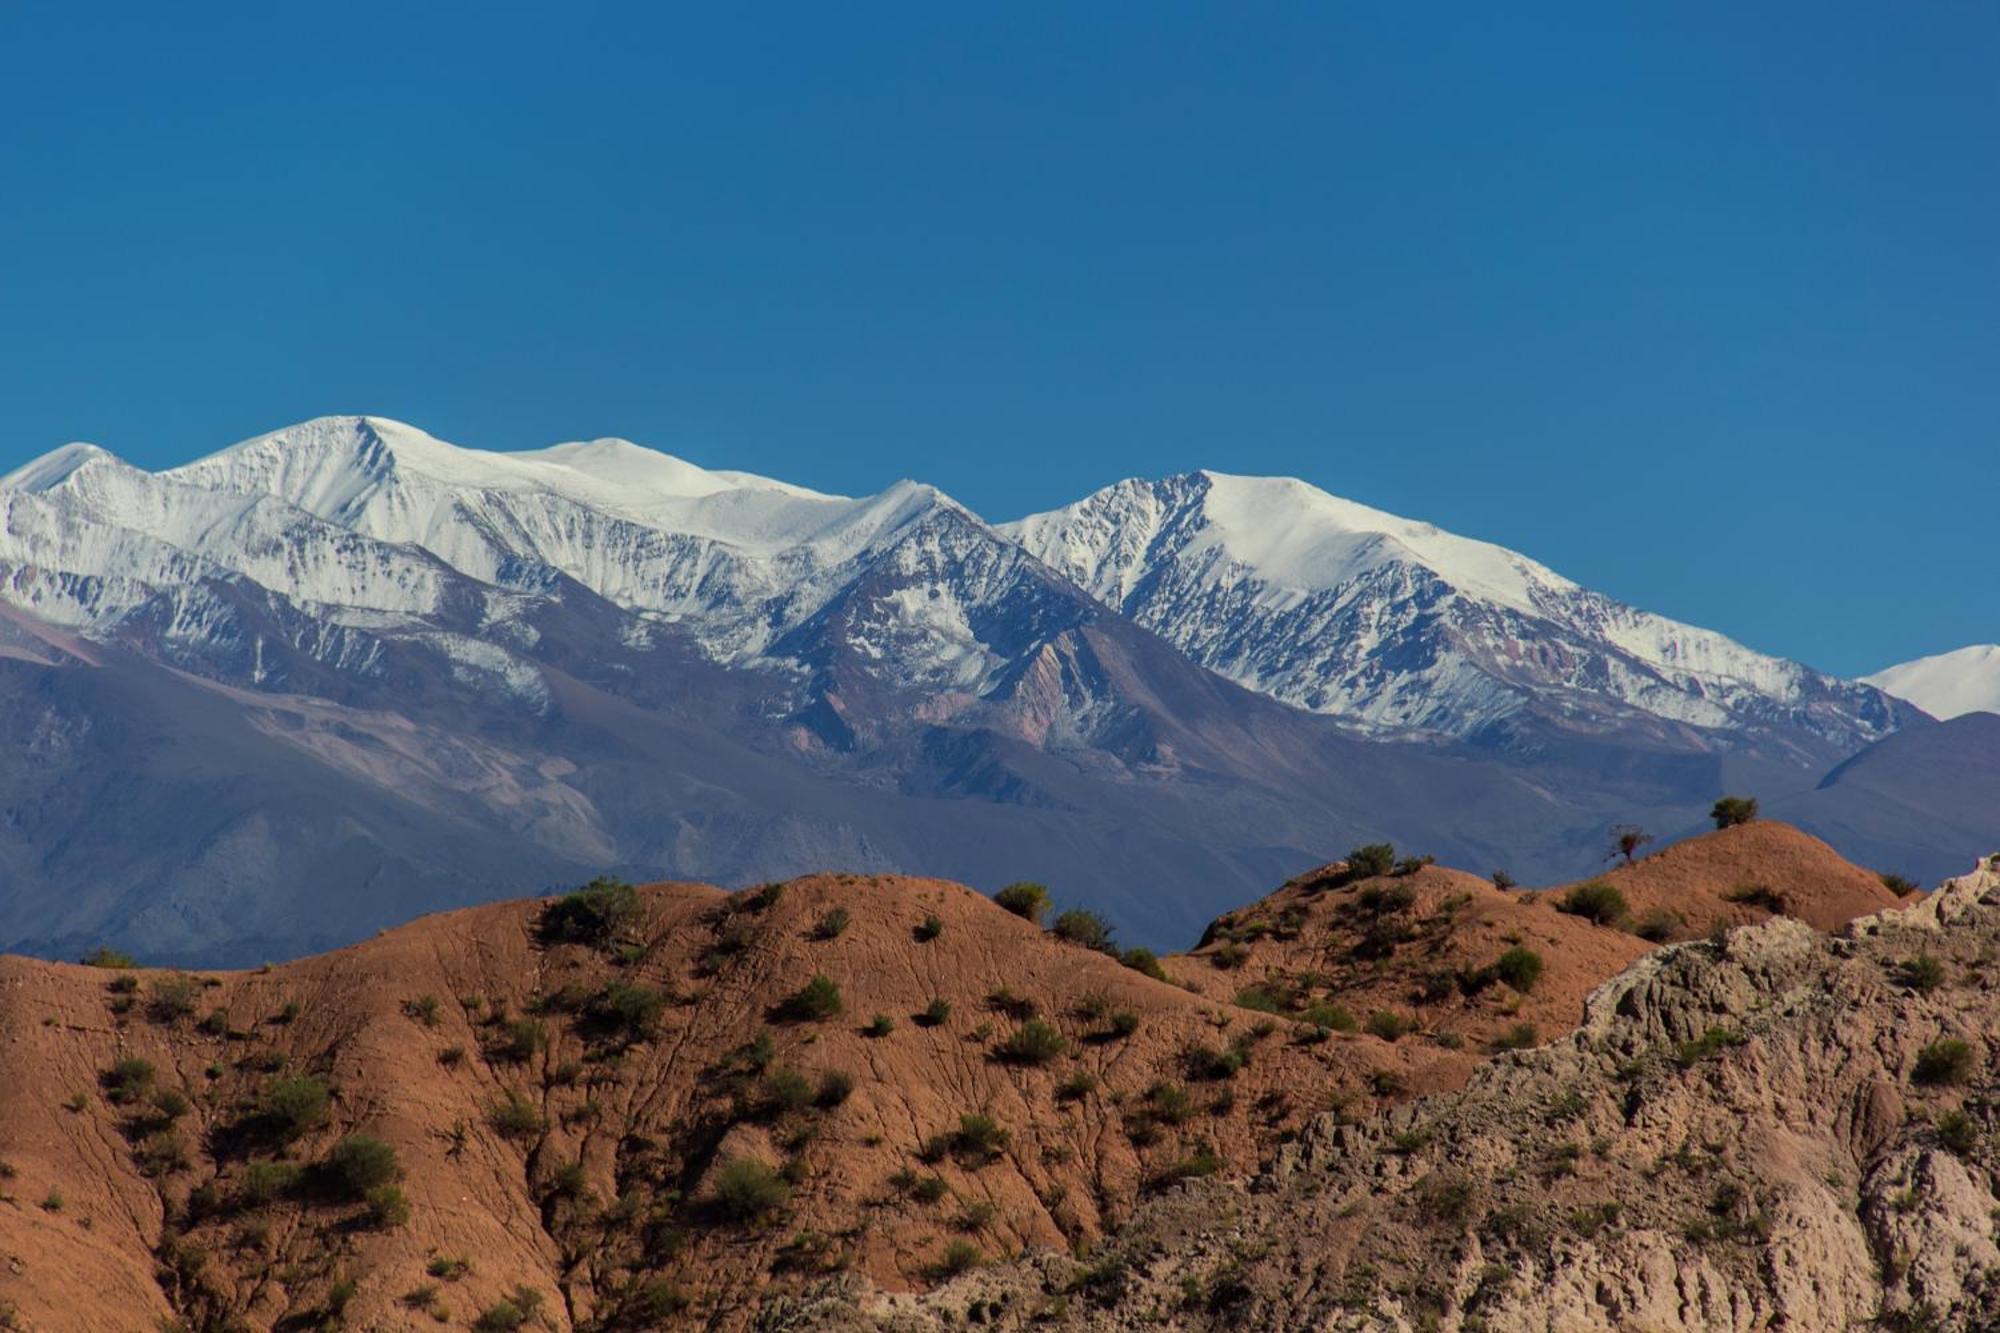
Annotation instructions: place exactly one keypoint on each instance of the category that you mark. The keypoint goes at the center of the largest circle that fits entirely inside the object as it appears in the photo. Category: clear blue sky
(1700, 305)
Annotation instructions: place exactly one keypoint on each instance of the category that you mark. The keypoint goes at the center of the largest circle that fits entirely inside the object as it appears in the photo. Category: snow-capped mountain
(345, 672)
(1966, 680)
(373, 526)
(1347, 610)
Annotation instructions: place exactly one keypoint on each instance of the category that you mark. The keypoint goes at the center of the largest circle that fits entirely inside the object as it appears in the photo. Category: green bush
(1520, 967)
(104, 956)
(979, 1139)
(835, 1087)
(1371, 860)
(172, 999)
(521, 1038)
(1944, 1062)
(1733, 810)
(592, 914)
(815, 1002)
(1519, 1037)
(1709, 1044)
(1025, 899)
(628, 1007)
(879, 1026)
(361, 1162)
(264, 1181)
(784, 1090)
(1922, 973)
(1596, 901)
(1144, 960)
(387, 1206)
(832, 925)
(935, 1013)
(515, 1116)
(1897, 884)
(1077, 926)
(746, 1189)
(1756, 895)
(511, 1314)
(1124, 1023)
(929, 928)
(1337, 1017)
(1077, 1086)
(296, 1106)
(959, 1256)
(1389, 1025)
(128, 1080)
(1657, 926)
(1035, 1042)
(1957, 1133)
(1212, 1065)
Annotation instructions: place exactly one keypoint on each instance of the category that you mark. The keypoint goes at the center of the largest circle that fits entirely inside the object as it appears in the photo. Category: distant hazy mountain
(1347, 610)
(1949, 684)
(346, 672)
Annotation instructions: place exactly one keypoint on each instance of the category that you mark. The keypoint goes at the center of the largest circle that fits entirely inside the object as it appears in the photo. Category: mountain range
(345, 672)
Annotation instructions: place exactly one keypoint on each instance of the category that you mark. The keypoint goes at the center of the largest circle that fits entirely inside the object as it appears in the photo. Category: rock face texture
(1777, 1128)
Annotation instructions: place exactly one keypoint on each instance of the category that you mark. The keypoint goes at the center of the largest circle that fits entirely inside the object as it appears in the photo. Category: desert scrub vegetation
(172, 998)
(128, 1080)
(1731, 811)
(1957, 1132)
(1711, 1043)
(361, 1163)
(105, 956)
(832, 924)
(1597, 901)
(293, 1107)
(928, 929)
(1370, 861)
(1520, 967)
(1143, 960)
(934, 1014)
(1390, 1025)
(1085, 928)
(815, 1002)
(1922, 974)
(978, 1141)
(591, 915)
(747, 1190)
(1025, 899)
(1946, 1062)
(514, 1116)
(1035, 1042)
(1756, 895)
(510, 1314)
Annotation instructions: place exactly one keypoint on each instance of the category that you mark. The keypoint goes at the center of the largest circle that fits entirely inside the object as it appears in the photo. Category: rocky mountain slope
(1774, 1128)
(1948, 685)
(681, 1107)
(1344, 609)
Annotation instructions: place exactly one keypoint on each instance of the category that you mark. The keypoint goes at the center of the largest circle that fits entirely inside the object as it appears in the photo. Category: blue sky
(1700, 305)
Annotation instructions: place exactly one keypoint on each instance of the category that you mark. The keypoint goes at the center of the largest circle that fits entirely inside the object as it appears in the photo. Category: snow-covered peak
(653, 473)
(1298, 535)
(1290, 535)
(55, 467)
(1347, 609)
(1965, 680)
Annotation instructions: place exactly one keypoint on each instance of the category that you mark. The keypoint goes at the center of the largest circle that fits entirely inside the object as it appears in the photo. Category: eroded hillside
(679, 1107)
(1774, 1128)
